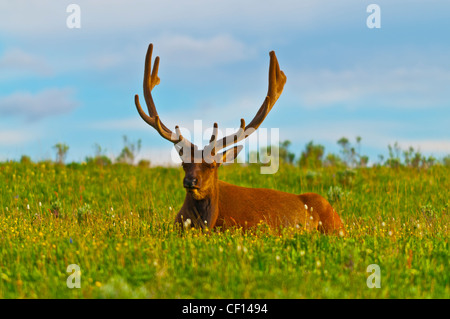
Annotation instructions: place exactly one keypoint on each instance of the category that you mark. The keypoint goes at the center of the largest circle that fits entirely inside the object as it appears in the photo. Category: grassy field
(115, 223)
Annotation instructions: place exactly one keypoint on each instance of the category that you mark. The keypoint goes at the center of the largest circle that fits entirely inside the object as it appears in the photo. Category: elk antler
(151, 79)
(277, 79)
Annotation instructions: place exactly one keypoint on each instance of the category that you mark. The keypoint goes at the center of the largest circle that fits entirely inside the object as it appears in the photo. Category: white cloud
(16, 61)
(34, 106)
(415, 87)
(132, 124)
(107, 60)
(48, 17)
(178, 50)
(187, 51)
(14, 137)
(377, 133)
(225, 114)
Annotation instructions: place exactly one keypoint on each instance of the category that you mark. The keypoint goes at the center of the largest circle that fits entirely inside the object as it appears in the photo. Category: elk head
(201, 166)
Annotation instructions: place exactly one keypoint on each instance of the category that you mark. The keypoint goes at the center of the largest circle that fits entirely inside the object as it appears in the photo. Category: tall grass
(116, 223)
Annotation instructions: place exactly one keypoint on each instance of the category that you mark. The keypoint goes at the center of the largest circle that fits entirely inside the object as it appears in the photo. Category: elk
(212, 203)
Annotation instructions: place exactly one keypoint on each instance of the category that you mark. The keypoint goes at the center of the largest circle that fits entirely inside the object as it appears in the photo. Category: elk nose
(189, 182)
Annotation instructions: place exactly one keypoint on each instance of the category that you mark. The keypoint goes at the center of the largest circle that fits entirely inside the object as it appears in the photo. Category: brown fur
(219, 204)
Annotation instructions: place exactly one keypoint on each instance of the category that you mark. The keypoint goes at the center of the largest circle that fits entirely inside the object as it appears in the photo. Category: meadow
(116, 223)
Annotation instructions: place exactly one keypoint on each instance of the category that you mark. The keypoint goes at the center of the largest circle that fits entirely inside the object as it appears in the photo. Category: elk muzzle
(190, 183)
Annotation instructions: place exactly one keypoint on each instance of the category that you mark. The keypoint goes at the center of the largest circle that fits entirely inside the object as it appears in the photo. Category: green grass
(115, 222)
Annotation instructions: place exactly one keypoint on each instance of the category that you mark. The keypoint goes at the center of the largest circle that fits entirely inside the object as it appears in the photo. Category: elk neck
(205, 209)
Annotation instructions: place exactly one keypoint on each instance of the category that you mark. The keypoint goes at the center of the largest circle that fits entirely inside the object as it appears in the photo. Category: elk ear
(229, 155)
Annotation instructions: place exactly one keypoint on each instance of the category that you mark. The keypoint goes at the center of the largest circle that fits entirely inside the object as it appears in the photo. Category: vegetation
(312, 156)
(99, 158)
(115, 222)
(351, 157)
(61, 152)
(129, 151)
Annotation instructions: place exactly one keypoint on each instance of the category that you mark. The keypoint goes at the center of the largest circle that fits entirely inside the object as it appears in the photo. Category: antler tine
(154, 122)
(214, 134)
(233, 138)
(211, 147)
(277, 79)
(151, 79)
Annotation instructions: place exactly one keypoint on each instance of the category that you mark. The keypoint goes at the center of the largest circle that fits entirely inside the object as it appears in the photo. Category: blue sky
(77, 86)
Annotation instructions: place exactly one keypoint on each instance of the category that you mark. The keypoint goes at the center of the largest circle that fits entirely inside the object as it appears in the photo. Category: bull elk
(212, 203)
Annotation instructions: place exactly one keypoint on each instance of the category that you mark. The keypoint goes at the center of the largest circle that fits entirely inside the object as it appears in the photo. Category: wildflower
(98, 284)
(187, 223)
(318, 263)
(341, 233)
(383, 224)
(170, 207)
(278, 258)
(390, 233)
(320, 223)
(302, 253)
(28, 206)
(311, 217)
(40, 204)
(306, 207)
